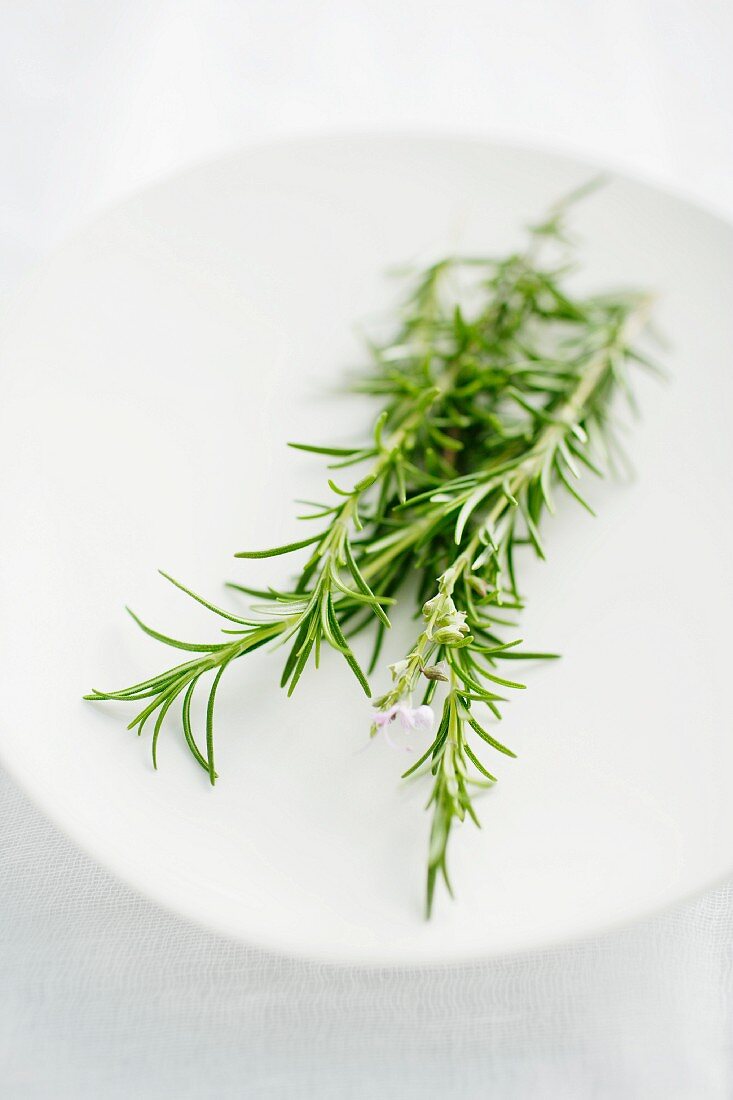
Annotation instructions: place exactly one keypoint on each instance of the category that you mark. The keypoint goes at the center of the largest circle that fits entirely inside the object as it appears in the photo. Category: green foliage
(496, 395)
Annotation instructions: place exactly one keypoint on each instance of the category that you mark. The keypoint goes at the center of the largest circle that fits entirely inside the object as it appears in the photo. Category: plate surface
(153, 370)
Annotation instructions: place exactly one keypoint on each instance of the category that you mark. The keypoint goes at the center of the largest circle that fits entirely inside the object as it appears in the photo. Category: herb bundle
(497, 392)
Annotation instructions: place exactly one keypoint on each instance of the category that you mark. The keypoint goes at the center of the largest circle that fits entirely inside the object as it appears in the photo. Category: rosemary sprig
(504, 495)
(496, 392)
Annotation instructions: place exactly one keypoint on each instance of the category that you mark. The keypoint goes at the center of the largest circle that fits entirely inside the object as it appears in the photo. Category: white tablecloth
(101, 993)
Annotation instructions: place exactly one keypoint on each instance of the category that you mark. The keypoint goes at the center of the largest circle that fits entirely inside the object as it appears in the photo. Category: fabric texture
(106, 995)
(102, 994)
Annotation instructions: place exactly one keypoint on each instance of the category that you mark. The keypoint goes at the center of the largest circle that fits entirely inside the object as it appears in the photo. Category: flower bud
(448, 635)
(431, 606)
(478, 584)
(434, 672)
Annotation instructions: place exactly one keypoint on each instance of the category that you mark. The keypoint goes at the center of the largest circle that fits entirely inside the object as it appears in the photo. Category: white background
(101, 994)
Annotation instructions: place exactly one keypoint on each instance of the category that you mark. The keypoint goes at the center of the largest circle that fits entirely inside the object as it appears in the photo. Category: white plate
(153, 370)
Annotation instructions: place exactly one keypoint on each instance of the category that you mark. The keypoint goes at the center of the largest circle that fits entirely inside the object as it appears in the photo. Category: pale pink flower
(410, 718)
(416, 718)
(382, 718)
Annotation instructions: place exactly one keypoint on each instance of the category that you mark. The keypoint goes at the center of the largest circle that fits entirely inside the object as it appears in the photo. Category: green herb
(497, 393)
